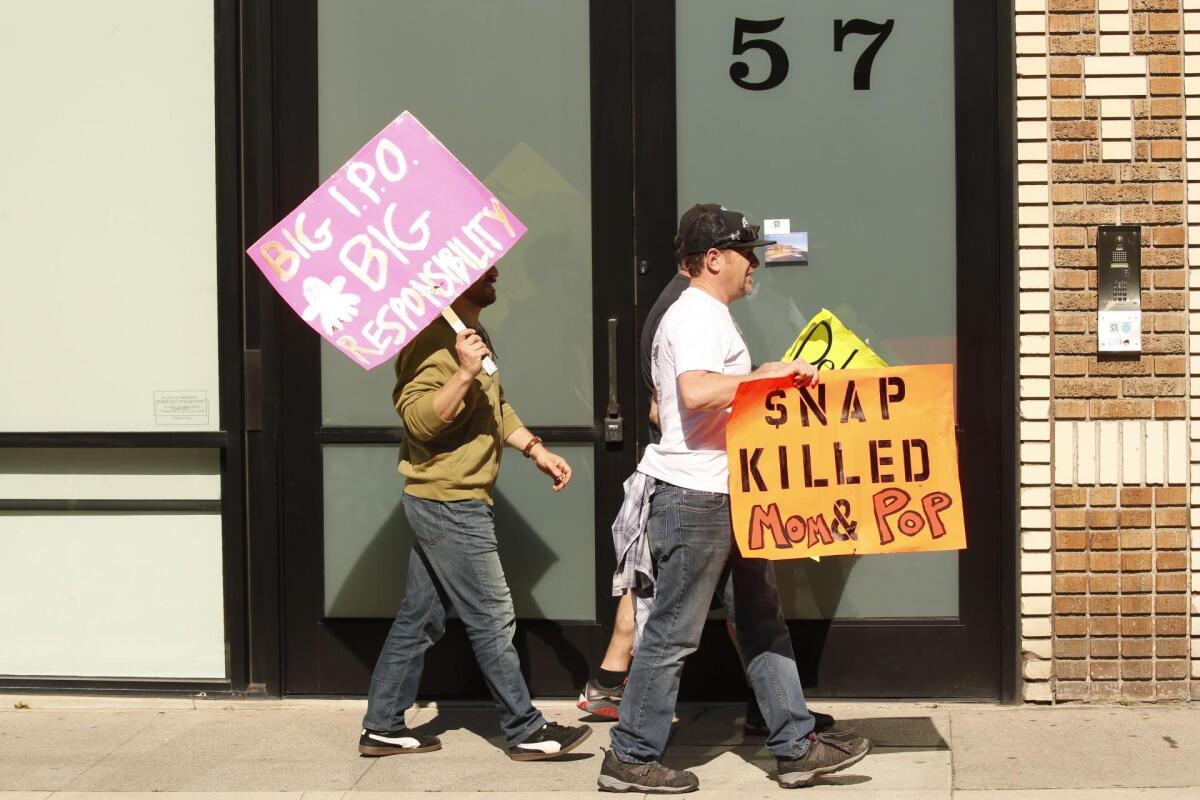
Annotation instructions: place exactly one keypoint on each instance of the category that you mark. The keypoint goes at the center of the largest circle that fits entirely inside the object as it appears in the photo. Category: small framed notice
(181, 408)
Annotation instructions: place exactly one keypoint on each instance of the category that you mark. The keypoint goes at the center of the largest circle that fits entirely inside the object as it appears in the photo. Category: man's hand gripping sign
(864, 462)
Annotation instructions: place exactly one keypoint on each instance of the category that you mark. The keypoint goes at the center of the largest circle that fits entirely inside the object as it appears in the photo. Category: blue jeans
(454, 561)
(691, 541)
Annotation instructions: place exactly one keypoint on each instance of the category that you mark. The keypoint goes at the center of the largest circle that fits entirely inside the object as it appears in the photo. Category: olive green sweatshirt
(459, 459)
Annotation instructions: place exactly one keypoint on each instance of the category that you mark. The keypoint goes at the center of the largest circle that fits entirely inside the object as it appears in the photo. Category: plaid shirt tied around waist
(635, 569)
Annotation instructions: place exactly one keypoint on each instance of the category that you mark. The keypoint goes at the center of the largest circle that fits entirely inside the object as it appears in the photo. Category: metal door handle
(614, 425)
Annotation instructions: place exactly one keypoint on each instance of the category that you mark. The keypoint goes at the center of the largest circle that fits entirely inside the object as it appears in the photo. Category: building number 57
(739, 71)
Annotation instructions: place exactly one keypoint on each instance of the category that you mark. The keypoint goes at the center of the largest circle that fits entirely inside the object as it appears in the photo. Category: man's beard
(748, 285)
(481, 295)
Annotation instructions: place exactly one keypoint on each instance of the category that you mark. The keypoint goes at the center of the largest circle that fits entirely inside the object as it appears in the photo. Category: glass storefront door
(505, 72)
(856, 151)
(512, 90)
(847, 124)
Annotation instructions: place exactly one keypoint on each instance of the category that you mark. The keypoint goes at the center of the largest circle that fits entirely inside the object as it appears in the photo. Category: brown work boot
(649, 778)
(825, 755)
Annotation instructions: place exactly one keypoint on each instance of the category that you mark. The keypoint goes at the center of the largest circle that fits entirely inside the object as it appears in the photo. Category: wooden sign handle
(449, 314)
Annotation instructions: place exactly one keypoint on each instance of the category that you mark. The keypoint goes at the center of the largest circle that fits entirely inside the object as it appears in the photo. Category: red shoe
(601, 701)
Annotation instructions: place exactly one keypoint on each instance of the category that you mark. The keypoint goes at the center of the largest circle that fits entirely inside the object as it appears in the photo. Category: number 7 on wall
(862, 68)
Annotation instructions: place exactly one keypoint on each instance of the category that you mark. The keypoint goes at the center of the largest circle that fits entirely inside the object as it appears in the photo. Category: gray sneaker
(651, 778)
(825, 754)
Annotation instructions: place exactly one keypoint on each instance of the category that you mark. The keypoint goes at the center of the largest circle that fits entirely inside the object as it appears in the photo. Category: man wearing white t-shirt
(699, 359)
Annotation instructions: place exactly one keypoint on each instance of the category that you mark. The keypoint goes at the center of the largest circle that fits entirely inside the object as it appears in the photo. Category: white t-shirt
(696, 333)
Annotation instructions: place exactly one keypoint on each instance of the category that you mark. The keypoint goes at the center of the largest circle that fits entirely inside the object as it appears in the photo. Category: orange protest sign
(865, 462)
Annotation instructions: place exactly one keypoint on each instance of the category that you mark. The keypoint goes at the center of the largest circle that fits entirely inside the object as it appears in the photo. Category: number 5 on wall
(740, 70)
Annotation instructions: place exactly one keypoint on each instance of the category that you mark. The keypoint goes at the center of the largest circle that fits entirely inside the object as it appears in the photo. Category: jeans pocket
(662, 531)
(425, 519)
(702, 502)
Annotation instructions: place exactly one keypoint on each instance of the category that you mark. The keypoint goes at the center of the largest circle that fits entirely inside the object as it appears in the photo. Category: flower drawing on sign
(327, 301)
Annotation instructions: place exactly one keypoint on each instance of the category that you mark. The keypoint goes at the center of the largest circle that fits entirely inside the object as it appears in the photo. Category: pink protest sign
(375, 253)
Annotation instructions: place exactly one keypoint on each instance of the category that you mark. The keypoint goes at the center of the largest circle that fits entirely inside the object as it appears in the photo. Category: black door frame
(632, 61)
(976, 653)
(331, 656)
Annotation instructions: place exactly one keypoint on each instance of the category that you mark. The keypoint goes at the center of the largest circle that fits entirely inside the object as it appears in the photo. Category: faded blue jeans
(454, 561)
(691, 541)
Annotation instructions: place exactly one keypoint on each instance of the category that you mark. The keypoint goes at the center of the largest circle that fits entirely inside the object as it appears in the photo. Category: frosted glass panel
(859, 587)
(513, 103)
(112, 595)
(547, 540)
(108, 217)
(869, 175)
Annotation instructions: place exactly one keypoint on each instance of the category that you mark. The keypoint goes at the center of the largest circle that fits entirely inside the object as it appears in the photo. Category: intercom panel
(1119, 284)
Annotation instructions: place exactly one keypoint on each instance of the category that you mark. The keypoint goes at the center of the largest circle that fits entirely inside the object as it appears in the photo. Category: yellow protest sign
(864, 462)
(827, 343)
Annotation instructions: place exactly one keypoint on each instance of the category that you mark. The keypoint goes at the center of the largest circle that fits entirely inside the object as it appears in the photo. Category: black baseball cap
(708, 225)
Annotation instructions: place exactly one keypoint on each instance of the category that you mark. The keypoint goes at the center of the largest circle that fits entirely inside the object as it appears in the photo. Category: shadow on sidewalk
(698, 740)
(484, 724)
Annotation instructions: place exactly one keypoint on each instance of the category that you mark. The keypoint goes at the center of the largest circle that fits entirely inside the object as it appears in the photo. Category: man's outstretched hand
(553, 465)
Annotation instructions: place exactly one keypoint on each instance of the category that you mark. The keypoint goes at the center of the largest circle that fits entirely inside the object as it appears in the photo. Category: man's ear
(712, 260)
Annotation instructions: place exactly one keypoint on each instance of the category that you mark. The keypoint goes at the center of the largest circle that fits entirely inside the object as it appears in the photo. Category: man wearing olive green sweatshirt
(456, 424)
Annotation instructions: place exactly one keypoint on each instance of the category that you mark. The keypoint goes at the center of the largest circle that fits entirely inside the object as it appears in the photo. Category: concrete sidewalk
(89, 748)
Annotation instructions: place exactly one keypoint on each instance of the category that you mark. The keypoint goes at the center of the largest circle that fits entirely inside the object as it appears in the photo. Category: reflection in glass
(514, 107)
(862, 587)
(547, 543)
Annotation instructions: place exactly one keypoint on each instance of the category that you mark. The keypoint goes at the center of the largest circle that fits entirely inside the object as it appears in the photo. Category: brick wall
(1105, 447)
(1191, 65)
